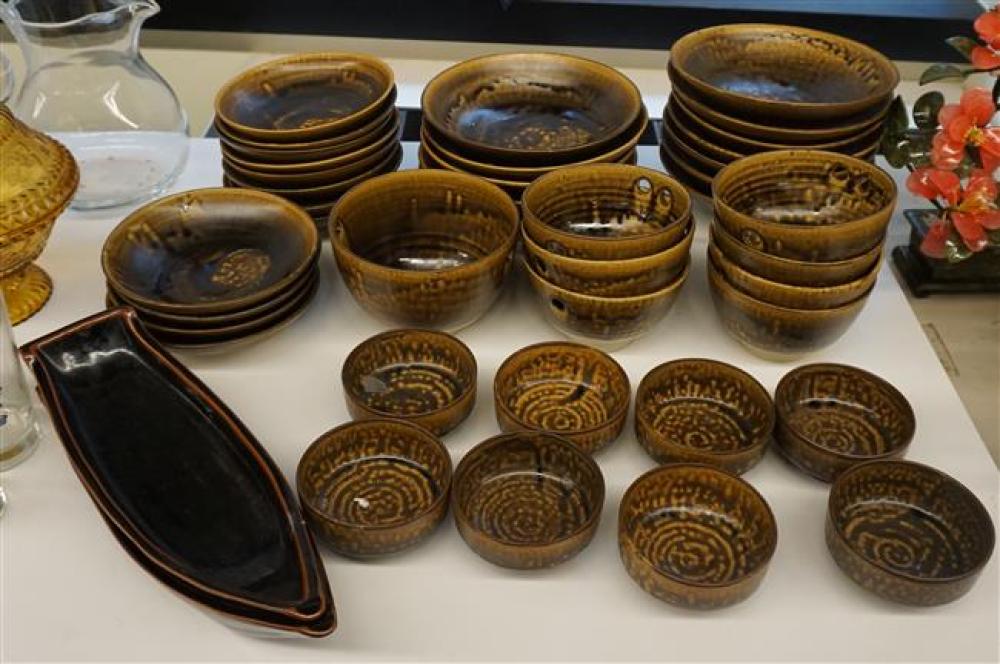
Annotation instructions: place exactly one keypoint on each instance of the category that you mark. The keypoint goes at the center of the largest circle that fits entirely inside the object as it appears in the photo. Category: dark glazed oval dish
(908, 532)
(185, 488)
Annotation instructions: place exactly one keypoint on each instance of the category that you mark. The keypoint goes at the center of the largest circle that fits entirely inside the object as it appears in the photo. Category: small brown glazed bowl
(374, 487)
(832, 416)
(908, 532)
(695, 536)
(773, 332)
(703, 411)
(805, 204)
(606, 211)
(609, 323)
(786, 295)
(421, 376)
(425, 248)
(527, 500)
(568, 389)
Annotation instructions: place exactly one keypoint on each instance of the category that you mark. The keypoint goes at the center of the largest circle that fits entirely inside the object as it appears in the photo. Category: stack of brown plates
(515, 117)
(213, 266)
(743, 89)
(309, 127)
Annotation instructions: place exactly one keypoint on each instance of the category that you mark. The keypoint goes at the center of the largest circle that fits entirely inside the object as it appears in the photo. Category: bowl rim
(670, 288)
(884, 387)
(687, 466)
(605, 358)
(487, 445)
(648, 261)
(976, 504)
(425, 436)
(716, 228)
(466, 357)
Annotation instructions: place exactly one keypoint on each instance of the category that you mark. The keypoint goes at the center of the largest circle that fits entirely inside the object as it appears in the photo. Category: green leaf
(919, 146)
(925, 110)
(897, 121)
(941, 72)
(896, 152)
(955, 249)
(963, 45)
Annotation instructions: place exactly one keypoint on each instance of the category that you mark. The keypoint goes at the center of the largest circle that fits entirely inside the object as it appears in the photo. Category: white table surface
(68, 591)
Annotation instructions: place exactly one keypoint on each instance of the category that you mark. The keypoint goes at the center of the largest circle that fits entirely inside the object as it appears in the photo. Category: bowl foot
(26, 292)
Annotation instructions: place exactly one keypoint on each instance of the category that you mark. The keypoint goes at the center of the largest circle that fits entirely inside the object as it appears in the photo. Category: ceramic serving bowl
(421, 376)
(785, 295)
(527, 500)
(695, 536)
(908, 532)
(569, 389)
(606, 211)
(209, 251)
(773, 332)
(607, 278)
(374, 487)
(531, 108)
(691, 152)
(425, 248)
(609, 323)
(305, 97)
(832, 416)
(805, 204)
(777, 71)
(703, 411)
(689, 175)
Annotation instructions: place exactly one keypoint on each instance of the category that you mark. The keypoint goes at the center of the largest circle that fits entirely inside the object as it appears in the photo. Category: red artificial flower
(934, 184)
(966, 123)
(972, 210)
(935, 243)
(988, 28)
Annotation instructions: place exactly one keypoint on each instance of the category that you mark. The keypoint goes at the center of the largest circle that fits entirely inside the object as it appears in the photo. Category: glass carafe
(88, 86)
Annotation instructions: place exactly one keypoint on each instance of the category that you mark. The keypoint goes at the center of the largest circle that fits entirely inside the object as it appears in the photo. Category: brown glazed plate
(690, 176)
(107, 384)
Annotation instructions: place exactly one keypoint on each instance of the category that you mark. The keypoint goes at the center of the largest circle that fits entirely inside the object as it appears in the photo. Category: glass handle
(6, 78)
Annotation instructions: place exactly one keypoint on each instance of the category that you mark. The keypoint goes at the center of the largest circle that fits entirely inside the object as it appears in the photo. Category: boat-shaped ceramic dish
(184, 486)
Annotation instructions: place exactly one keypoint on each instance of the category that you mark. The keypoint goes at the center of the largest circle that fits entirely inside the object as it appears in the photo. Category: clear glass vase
(88, 86)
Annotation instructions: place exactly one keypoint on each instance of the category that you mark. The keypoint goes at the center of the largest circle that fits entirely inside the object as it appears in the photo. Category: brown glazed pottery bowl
(621, 278)
(527, 500)
(374, 487)
(305, 97)
(832, 416)
(785, 295)
(421, 376)
(805, 204)
(568, 389)
(425, 248)
(908, 532)
(703, 411)
(531, 108)
(606, 211)
(688, 174)
(210, 251)
(695, 536)
(778, 71)
(609, 323)
(773, 332)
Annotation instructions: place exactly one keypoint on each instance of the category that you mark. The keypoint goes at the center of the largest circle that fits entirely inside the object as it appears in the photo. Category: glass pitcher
(88, 86)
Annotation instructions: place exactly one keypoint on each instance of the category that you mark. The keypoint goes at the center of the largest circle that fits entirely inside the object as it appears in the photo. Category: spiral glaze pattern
(841, 428)
(377, 491)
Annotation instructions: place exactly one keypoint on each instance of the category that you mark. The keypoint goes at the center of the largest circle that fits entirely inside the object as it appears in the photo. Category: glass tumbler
(19, 430)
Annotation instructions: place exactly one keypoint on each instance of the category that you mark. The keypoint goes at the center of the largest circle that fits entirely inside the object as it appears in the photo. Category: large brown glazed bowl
(527, 500)
(569, 389)
(531, 108)
(832, 417)
(695, 536)
(687, 173)
(703, 411)
(421, 376)
(374, 487)
(778, 71)
(806, 205)
(908, 532)
(425, 248)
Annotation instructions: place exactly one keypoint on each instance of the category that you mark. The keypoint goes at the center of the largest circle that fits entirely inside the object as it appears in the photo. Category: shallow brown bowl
(779, 71)
(805, 204)
(527, 500)
(421, 376)
(425, 248)
(565, 388)
(685, 173)
(832, 416)
(703, 411)
(609, 323)
(773, 332)
(606, 211)
(309, 179)
(531, 108)
(908, 532)
(305, 97)
(209, 251)
(695, 536)
(374, 487)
